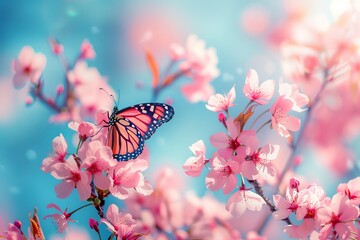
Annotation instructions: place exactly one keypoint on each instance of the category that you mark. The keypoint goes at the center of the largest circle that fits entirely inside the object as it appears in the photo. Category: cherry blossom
(62, 218)
(60, 151)
(351, 190)
(280, 120)
(338, 218)
(28, 67)
(72, 177)
(127, 175)
(232, 145)
(258, 161)
(292, 92)
(98, 159)
(218, 102)
(260, 94)
(120, 223)
(194, 165)
(244, 199)
(292, 201)
(85, 129)
(222, 175)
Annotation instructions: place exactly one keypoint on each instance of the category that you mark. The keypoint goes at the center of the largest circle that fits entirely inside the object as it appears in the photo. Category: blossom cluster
(321, 217)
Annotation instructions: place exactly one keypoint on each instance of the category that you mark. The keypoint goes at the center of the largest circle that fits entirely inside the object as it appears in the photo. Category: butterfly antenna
(110, 95)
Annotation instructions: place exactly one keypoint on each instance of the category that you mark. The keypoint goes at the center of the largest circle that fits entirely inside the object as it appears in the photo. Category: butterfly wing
(147, 117)
(125, 139)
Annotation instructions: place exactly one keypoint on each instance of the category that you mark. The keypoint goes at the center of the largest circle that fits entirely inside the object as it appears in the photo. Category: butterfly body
(130, 127)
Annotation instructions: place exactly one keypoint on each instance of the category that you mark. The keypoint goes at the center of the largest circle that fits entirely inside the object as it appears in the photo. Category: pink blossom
(176, 52)
(255, 93)
(232, 145)
(218, 102)
(194, 165)
(72, 177)
(244, 199)
(280, 120)
(292, 92)
(60, 151)
(351, 190)
(127, 175)
(201, 61)
(285, 206)
(338, 218)
(86, 50)
(61, 219)
(56, 47)
(222, 175)
(119, 223)
(99, 160)
(258, 161)
(13, 233)
(199, 90)
(87, 80)
(28, 66)
(85, 129)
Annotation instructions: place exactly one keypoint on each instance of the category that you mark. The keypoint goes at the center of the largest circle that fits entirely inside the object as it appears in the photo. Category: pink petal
(219, 140)
(198, 148)
(64, 188)
(248, 169)
(267, 89)
(101, 181)
(84, 190)
(53, 205)
(26, 55)
(251, 82)
(119, 192)
(292, 123)
(230, 184)
(39, 62)
(19, 80)
(112, 213)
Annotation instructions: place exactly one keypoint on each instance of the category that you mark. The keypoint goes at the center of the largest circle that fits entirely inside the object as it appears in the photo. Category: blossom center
(225, 171)
(233, 144)
(27, 70)
(75, 177)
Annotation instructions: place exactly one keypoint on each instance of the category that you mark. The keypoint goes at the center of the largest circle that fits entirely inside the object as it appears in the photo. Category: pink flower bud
(222, 118)
(86, 130)
(56, 47)
(86, 50)
(94, 224)
(18, 224)
(294, 183)
(60, 89)
(29, 101)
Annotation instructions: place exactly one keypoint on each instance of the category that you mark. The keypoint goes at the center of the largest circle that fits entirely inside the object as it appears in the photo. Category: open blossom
(218, 102)
(62, 218)
(244, 199)
(127, 175)
(351, 190)
(232, 145)
(201, 61)
(223, 174)
(72, 177)
(28, 66)
(194, 165)
(60, 150)
(280, 120)
(338, 218)
(260, 94)
(258, 161)
(292, 201)
(292, 92)
(99, 160)
(13, 232)
(121, 224)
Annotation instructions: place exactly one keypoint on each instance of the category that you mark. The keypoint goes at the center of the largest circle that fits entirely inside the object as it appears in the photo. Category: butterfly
(130, 127)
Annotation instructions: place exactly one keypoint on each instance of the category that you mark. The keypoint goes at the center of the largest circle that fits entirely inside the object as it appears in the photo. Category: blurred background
(242, 32)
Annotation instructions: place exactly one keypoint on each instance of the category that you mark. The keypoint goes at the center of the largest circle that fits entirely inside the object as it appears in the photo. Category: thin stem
(258, 117)
(46, 101)
(71, 213)
(99, 235)
(247, 105)
(265, 123)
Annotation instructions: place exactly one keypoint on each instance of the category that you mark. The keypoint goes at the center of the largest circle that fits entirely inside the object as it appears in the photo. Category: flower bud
(18, 224)
(222, 118)
(294, 183)
(94, 224)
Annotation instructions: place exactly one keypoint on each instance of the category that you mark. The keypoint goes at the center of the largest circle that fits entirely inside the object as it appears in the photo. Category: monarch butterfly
(130, 127)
